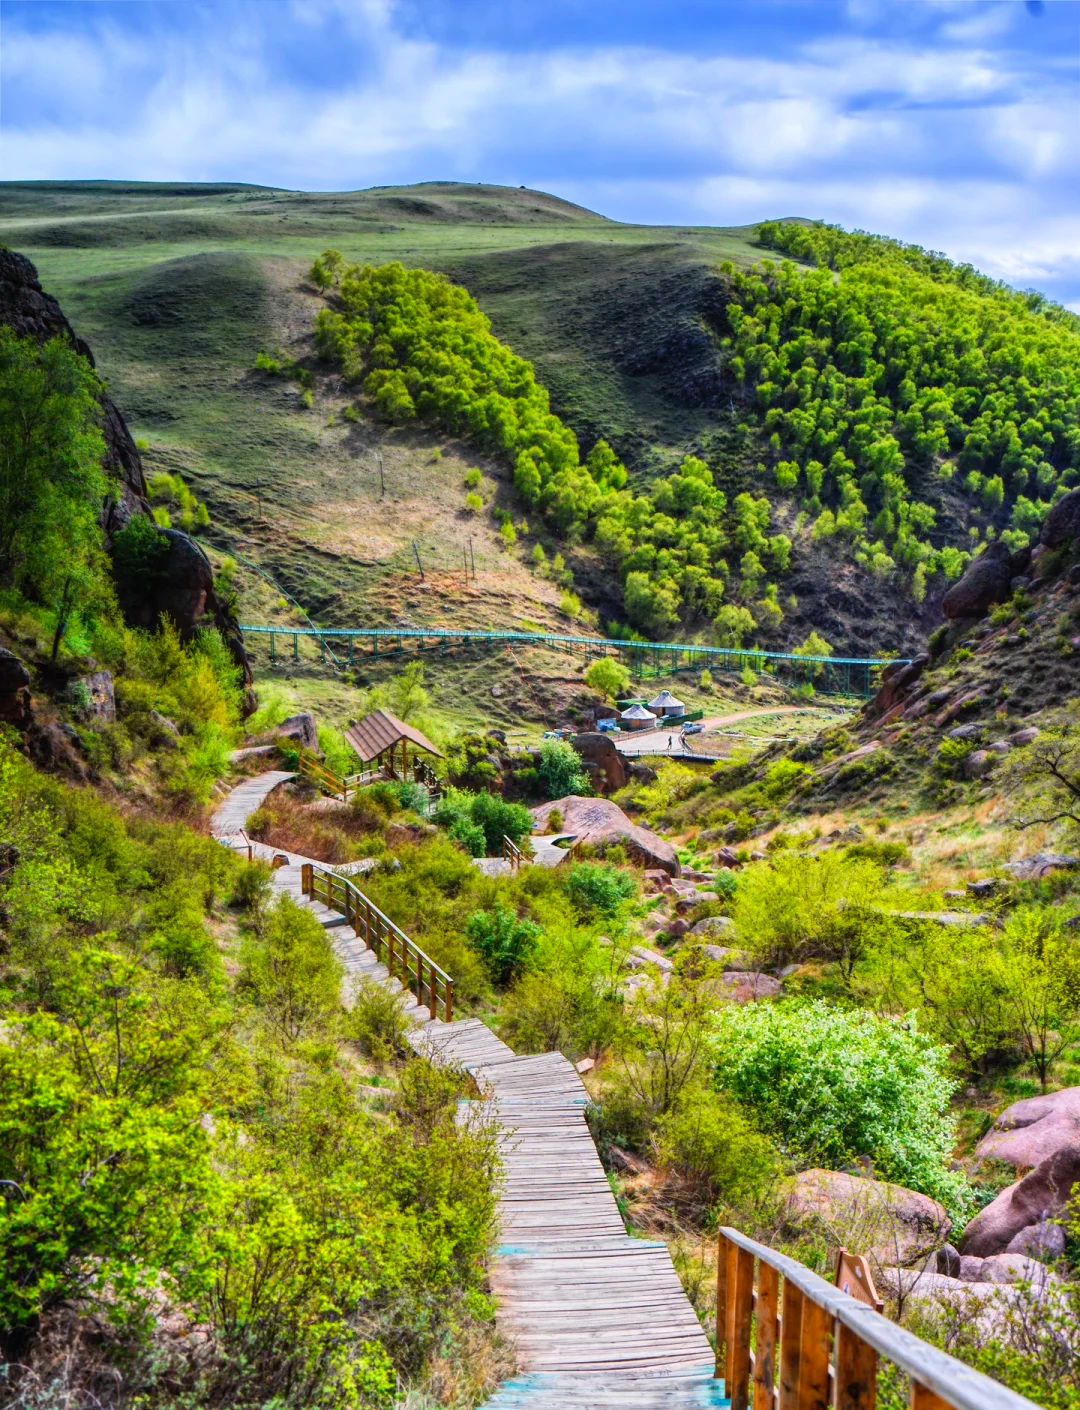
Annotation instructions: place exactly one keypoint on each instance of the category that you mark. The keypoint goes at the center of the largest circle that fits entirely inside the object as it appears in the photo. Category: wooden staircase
(599, 1318)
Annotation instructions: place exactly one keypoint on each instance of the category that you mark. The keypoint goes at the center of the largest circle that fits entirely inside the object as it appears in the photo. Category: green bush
(292, 972)
(597, 888)
(560, 769)
(713, 1143)
(376, 1022)
(481, 820)
(800, 906)
(504, 940)
(836, 1085)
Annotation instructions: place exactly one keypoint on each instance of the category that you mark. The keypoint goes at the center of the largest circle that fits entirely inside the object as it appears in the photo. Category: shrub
(798, 907)
(560, 769)
(597, 888)
(106, 1170)
(500, 819)
(376, 1022)
(836, 1085)
(473, 503)
(554, 821)
(714, 1144)
(292, 972)
(505, 941)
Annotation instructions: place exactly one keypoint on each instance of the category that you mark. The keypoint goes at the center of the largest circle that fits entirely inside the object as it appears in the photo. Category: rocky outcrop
(603, 761)
(16, 709)
(988, 581)
(896, 680)
(182, 584)
(895, 1224)
(1032, 1130)
(1062, 524)
(1040, 1196)
(25, 307)
(600, 822)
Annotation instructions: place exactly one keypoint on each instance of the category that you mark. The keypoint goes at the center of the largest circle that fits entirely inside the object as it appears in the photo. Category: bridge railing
(419, 974)
(786, 1338)
(835, 674)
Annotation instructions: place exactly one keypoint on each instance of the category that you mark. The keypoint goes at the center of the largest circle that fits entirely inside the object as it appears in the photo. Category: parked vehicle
(693, 728)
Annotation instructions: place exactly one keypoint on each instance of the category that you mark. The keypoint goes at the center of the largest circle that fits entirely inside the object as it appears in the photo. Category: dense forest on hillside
(878, 384)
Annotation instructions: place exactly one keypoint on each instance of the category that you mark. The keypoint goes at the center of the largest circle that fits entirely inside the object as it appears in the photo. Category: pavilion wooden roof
(380, 731)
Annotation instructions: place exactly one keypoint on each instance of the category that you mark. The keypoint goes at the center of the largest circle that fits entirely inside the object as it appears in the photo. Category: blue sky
(954, 123)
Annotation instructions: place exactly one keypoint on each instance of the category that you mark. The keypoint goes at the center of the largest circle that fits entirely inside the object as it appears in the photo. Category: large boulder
(300, 729)
(1062, 524)
(1039, 1196)
(894, 1224)
(1034, 868)
(897, 680)
(1032, 1130)
(988, 580)
(15, 706)
(601, 822)
(608, 766)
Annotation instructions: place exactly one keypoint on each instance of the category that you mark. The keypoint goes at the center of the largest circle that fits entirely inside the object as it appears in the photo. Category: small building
(383, 740)
(666, 704)
(637, 717)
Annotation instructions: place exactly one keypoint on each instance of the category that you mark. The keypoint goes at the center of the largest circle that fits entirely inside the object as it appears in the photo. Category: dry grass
(326, 831)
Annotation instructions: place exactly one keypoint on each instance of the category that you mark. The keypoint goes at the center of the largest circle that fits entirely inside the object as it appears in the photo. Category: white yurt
(637, 717)
(666, 704)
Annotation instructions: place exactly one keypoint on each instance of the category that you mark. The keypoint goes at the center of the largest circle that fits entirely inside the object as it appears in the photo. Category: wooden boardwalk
(599, 1319)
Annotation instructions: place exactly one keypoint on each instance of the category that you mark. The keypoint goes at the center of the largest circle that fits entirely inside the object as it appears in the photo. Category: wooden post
(433, 993)
(814, 1348)
(856, 1372)
(923, 1398)
(449, 1014)
(765, 1311)
(390, 949)
(790, 1335)
(721, 1305)
(307, 880)
(738, 1392)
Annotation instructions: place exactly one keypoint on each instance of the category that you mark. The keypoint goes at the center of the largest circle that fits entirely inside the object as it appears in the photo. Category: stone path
(599, 1319)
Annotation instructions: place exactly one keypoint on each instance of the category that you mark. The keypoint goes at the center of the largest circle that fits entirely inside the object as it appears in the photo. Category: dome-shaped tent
(637, 717)
(666, 704)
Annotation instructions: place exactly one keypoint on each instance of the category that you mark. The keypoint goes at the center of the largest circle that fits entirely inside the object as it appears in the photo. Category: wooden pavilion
(378, 737)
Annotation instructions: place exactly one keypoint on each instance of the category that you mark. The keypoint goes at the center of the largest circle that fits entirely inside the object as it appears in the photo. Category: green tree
(52, 484)
(609, 677)
(105, 1172)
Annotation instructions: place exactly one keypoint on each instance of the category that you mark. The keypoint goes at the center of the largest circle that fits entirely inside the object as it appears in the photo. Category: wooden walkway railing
(405, 960)
(316, 772)
(512, 852)
(788, 1340)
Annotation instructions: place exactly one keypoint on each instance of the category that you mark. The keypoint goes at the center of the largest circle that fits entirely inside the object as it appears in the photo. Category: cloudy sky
(955, 123)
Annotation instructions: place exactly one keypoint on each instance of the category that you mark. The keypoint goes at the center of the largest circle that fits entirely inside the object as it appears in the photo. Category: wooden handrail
(323, 777)
(403, 958)
(512, 852)
(816, 1347)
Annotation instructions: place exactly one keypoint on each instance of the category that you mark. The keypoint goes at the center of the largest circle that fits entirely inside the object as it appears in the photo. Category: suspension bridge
(343, 647)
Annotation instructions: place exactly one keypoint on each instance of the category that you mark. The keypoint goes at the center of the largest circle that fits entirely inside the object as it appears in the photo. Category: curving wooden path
(599, 1319)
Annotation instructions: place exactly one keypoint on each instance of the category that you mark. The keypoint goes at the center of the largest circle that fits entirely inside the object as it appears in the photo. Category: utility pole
(465, 560)
(416, 550)
(258, 486)
(472, 558)
(382, 480)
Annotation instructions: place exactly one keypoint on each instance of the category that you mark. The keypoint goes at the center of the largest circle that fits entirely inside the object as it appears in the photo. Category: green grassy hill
(178, 287)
